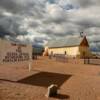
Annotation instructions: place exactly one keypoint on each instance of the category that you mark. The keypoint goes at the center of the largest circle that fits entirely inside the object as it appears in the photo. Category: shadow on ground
(45, 79)
(61, 96)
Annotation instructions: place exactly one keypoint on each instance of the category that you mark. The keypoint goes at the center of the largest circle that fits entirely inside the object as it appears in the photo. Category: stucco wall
(70, 51)
(77, 51)
(84, 51)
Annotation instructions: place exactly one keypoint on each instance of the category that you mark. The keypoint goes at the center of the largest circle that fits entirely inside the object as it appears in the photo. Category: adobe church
(71, 47)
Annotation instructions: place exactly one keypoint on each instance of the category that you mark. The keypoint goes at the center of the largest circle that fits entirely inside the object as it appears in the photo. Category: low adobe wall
(76, 60)
(94, 61)
(68, 60)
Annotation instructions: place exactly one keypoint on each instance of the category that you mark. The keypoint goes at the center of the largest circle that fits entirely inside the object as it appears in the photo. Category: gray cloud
(13, 15)
(37, 21)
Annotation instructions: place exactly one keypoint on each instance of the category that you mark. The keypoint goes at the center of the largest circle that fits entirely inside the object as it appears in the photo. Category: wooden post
(30, 64)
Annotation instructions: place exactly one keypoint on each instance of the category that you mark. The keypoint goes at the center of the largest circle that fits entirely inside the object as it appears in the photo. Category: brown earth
(75, 81)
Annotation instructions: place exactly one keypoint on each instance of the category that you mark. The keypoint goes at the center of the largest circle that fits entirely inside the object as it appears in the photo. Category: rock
(52, 90)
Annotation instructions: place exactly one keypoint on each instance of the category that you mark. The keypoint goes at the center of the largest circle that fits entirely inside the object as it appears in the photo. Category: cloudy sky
(38, 21)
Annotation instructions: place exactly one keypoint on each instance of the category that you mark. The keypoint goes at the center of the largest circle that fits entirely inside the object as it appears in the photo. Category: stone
(52, 90)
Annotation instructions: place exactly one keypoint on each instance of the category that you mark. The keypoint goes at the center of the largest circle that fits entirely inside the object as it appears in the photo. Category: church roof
(65, 42)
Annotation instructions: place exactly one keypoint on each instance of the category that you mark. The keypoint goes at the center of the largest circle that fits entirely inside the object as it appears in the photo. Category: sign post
(30, 64)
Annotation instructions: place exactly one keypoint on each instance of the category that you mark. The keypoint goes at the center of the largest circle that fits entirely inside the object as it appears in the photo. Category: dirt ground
(75, 81)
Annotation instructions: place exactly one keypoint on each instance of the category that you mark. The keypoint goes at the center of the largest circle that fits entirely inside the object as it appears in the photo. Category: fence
(65, 59)
(92, 61)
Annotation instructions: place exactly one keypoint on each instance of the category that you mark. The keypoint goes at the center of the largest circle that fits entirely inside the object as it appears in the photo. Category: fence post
(88, 61)
(84, 61)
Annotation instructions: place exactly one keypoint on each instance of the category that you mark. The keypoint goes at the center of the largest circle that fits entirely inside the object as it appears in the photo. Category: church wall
(69, 51)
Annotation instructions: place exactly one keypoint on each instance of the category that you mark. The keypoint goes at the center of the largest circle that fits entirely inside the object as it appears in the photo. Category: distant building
(14, 53)
(37, 49)
(71, 47)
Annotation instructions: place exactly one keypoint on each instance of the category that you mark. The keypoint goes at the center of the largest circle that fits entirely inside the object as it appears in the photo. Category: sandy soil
(75, 81)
